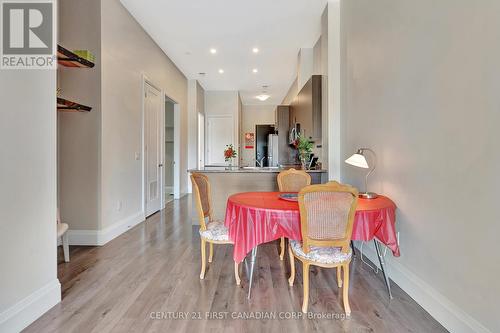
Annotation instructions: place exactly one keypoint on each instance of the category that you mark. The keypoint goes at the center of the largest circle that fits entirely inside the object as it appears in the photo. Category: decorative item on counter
(85, 54)
(304, 147)
(229, 154)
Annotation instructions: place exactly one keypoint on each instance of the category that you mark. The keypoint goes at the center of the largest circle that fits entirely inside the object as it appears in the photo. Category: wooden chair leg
(282, 246)
(203, 255)
(339, 276)
(211, 253)
(292, 267)
(305, 275)
(65, 243)
(236, 274)
(347, 308)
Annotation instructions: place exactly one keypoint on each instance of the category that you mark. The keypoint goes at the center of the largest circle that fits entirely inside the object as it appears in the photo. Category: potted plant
(229, 154)
(304, 148)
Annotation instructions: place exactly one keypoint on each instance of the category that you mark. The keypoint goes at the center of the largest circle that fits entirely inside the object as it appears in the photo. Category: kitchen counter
(226, 181)
(221, 169)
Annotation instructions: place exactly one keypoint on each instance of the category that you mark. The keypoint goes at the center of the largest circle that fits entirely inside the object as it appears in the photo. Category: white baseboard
(118, 228)
(23, 313)
(83, 237)
(101, 237)
(448, 314)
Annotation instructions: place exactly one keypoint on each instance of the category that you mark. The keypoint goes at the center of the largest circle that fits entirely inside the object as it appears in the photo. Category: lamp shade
(357, 160)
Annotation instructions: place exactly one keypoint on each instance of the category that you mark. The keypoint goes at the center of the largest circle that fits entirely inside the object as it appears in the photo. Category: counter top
(222, 169)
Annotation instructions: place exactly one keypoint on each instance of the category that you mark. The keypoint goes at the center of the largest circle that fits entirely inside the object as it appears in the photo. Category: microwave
(293, 134)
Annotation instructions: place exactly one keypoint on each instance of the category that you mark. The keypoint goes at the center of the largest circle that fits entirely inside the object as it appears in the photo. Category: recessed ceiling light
(221, 71)
(213, 51)
(262, 97)
(255, 50)
(255, 70)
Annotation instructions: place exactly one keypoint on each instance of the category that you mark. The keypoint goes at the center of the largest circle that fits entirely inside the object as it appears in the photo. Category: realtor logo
(28, 35)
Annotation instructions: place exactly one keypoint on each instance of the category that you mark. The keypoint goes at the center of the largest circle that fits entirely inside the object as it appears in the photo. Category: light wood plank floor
(153, 270)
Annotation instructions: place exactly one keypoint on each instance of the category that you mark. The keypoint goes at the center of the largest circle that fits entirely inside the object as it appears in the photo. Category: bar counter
(226, 181)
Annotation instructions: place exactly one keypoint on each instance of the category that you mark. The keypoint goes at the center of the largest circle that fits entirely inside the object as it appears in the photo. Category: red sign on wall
(249, 140)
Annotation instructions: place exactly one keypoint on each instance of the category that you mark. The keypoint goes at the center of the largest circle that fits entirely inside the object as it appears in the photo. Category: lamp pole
(366, 194)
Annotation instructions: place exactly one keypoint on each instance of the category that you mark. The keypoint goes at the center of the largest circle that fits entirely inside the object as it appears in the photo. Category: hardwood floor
(143, 280)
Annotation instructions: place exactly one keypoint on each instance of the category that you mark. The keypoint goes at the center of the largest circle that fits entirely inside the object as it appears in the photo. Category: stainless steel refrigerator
(272, 150)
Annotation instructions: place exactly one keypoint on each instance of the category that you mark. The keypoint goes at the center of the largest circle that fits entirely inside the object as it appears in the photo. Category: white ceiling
(187, 29)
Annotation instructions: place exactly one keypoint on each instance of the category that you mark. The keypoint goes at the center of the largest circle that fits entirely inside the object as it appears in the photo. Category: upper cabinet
(305, 109)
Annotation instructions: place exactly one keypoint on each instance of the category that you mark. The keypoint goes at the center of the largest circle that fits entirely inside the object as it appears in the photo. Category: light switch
(137, 156)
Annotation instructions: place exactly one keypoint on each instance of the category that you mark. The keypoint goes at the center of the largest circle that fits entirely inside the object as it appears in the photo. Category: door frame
(147, 81)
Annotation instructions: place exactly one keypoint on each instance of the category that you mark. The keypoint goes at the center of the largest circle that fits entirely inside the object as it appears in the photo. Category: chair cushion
(216, 231)
(61, 229)
(322, 255)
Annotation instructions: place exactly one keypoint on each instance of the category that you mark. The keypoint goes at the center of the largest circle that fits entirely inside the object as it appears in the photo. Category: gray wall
(422, 89)
(100, 179)
(128, 53)
(79, 133)
(254, 115)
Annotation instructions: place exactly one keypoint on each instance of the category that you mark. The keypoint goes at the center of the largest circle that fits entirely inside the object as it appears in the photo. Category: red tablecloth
(255, 218)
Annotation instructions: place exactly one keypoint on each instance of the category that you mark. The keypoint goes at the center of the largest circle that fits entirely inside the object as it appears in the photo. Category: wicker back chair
(326, 220)
(327, 215)
(213, 232)
(202, 193)
(293, 180)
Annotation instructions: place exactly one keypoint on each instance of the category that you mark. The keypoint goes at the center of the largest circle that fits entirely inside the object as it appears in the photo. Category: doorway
(161, 150)
(152, 148)
(261, 150)
(169, 150)
(201, 140)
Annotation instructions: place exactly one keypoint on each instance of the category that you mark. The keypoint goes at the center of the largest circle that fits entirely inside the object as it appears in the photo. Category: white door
(220, 132)
(152, 148)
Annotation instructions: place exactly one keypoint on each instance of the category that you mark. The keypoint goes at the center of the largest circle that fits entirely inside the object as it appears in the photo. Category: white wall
(305, 66)
(196, 104)
(254, 115)
(422, 89)
(28, 257)
(292, 92)
(222, 103)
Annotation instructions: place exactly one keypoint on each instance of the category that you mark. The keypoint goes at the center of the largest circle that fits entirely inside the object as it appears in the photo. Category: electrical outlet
(119, 205)
(137, 156)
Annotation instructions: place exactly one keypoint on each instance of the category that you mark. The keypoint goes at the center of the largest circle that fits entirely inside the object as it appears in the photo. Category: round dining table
(255, 218)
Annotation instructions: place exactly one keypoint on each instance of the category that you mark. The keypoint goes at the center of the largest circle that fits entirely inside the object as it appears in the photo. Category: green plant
(304, 146)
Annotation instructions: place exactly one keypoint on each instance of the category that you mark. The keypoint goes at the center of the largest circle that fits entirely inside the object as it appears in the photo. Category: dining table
(255, 218)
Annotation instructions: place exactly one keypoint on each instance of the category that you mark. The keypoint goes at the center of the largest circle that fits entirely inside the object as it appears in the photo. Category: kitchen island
(226, 181)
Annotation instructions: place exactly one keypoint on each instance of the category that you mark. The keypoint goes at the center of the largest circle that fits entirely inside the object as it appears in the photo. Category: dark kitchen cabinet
(305, 109)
